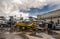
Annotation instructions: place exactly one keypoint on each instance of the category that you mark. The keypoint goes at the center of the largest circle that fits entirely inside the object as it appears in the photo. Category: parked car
(2, 21)
(57, 27)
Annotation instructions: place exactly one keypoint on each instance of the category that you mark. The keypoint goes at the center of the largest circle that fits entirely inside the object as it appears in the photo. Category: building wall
(55, 15)
(54, 19)
(51, 14)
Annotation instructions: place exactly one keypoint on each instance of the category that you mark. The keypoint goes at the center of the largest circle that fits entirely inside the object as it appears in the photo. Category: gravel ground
(8, 35)
(5, 34)
(55, 34)
(15, 35)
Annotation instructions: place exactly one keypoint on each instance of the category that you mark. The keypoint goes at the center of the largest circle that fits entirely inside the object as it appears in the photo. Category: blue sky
(45, 9)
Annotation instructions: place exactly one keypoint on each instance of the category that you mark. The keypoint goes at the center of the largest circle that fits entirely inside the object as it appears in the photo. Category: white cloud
(53, 2)
(24, 3)
(12, 6)
(19, 14)
(24, 15)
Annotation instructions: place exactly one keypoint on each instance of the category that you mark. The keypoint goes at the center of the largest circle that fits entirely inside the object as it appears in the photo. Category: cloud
(53, 2)
(13, 6)
(33, 3)
(51, 5)
(19, 14)
(21, 4)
